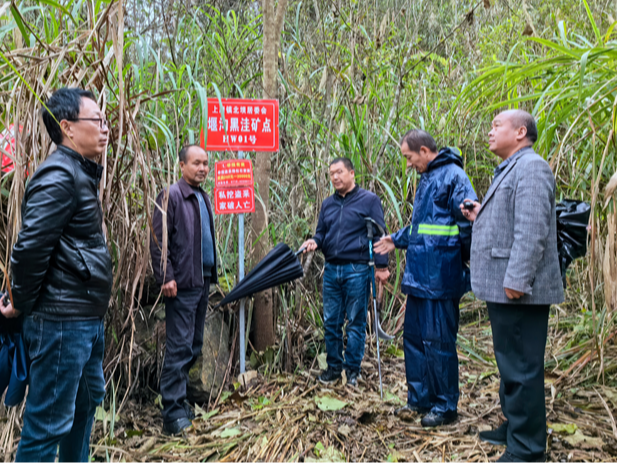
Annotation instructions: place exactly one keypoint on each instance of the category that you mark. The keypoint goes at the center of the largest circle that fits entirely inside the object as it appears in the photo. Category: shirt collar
(353, 191)
(501, 167)
(91, 167)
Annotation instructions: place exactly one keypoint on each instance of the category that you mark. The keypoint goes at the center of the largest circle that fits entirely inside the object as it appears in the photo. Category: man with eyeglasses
(61, 282)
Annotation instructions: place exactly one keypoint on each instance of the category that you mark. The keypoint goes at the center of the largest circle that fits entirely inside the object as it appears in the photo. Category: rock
(150, 329)
(208, 373)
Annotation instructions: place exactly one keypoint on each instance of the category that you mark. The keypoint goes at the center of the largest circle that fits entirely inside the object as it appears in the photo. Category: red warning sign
(239, 200)
(241, 125)
(234, 172)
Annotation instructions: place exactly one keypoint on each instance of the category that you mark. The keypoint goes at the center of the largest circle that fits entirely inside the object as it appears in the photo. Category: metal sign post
(240, 277)
(238, 125)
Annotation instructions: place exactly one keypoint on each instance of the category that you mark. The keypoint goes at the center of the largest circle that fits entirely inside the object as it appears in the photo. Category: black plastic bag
(572, 221)
(14, 362)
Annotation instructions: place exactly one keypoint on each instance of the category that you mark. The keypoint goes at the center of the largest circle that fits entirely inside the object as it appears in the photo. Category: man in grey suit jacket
(515, 269)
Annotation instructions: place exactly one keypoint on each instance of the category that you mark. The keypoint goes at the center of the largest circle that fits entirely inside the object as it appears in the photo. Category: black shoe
(352, 378)
(408, 412)
(190, 414)
(176, 427)
(329, 376)
(497, 436)
(433, 420)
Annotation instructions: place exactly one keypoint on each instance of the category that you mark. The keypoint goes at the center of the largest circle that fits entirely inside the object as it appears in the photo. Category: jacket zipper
(201, 236)
(338, 235)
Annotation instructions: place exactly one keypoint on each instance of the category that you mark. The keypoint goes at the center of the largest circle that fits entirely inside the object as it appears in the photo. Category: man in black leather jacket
(61, 282)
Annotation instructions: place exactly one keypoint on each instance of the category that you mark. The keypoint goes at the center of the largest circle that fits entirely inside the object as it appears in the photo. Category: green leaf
(20, 24)
(321, 360)
(395, 351)
(231, 432)
(570, 428)
(329, 404)
(393, 399)
(579, 440)
(582, 77)
(325, 454)
(395, 457)
(60, 7)
(205, 415)
(593, 22)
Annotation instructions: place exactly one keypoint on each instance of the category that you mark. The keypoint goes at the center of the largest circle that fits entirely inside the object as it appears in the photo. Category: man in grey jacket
(515, 269)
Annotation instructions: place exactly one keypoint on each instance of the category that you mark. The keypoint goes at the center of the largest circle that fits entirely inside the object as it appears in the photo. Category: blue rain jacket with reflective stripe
(439, 237)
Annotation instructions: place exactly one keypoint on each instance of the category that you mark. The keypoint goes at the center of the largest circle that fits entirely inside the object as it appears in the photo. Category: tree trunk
(263, 316)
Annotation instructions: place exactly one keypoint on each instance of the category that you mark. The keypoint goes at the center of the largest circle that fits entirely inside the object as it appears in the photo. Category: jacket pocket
(95, 255)
(69, 260)
(500, 253)
(363, 244)
(32, 334)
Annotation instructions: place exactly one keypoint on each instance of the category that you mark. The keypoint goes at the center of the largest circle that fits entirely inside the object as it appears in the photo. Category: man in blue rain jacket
(437, 242)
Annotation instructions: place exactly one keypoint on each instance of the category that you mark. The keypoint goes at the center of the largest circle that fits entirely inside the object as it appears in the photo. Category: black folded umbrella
(281, 265)
(572, 221)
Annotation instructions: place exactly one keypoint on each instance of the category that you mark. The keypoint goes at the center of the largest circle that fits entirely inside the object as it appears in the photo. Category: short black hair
(63, 104)
(346, 162)
(417, 138)
(521, 118)
(184, 151)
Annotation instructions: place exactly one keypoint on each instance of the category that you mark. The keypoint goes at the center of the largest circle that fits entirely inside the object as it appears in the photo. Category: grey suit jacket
(514, 239)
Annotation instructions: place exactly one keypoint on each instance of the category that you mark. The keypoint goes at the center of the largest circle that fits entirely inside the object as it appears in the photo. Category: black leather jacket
(60, 264)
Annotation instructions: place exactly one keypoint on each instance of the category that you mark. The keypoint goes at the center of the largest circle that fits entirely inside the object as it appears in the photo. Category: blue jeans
(66, 385)
(431, 361)
(345, 293)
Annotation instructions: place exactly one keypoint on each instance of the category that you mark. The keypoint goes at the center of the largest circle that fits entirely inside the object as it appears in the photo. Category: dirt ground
(294, 418)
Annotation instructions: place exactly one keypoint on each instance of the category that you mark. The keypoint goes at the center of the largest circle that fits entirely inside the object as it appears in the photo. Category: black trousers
(185, 317)
(519, 339)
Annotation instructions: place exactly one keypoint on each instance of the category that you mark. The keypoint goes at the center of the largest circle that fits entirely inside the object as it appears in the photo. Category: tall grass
(353, 76)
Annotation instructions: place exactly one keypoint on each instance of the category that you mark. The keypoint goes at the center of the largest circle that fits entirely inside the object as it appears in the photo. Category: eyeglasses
(102, 122)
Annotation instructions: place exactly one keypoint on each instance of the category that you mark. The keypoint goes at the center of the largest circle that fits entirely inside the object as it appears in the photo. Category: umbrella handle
(299, 251)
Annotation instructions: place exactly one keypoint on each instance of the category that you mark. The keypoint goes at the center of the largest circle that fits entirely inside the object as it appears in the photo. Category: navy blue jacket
(341, 231)
(439, 237)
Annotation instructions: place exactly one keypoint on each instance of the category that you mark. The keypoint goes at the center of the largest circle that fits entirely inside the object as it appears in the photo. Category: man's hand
(384, 246)
(513, 294)
(7, 310)
(309, 246)
(471, 214)
(381, 275)
(170, 289)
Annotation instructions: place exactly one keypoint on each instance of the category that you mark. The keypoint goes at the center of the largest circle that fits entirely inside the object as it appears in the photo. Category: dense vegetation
(352, 77)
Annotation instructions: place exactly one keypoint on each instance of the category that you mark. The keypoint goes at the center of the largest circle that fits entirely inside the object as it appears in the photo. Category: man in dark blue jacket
(437, 242)
(342, 237)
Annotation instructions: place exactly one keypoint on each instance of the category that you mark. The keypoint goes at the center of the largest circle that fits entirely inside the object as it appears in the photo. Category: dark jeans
(519, 340)
(431, 361)
(345, 293)
(66, 385)
(185, 317)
